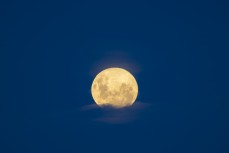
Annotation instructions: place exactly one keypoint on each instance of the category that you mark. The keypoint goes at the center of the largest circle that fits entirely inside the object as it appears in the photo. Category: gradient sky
(52, 50)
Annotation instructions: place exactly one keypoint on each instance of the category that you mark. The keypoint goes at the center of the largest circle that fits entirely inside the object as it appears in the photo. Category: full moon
(114, 87)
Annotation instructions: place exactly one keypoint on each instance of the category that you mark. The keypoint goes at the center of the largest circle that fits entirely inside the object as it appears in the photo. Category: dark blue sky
(177, 50)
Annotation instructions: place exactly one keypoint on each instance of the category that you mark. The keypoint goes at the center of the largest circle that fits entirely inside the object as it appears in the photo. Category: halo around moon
(114, 87)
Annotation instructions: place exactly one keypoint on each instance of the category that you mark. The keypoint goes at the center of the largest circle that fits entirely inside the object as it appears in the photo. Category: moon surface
(114, 87)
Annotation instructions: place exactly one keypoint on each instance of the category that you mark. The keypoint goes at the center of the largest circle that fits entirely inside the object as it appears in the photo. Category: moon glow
(114, 87)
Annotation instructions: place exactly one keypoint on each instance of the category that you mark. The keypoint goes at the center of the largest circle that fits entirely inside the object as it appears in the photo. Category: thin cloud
(117, 116)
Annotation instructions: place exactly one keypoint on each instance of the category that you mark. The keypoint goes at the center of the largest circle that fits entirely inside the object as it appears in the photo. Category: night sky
(177, 50)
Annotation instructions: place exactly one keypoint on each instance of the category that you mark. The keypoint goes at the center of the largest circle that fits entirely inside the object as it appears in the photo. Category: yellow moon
(114, 87)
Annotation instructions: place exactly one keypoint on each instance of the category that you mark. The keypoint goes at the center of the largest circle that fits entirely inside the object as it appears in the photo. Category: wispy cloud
(117, 116)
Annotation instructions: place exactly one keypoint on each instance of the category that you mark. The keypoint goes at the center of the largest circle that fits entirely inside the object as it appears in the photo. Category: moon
(114, 87)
